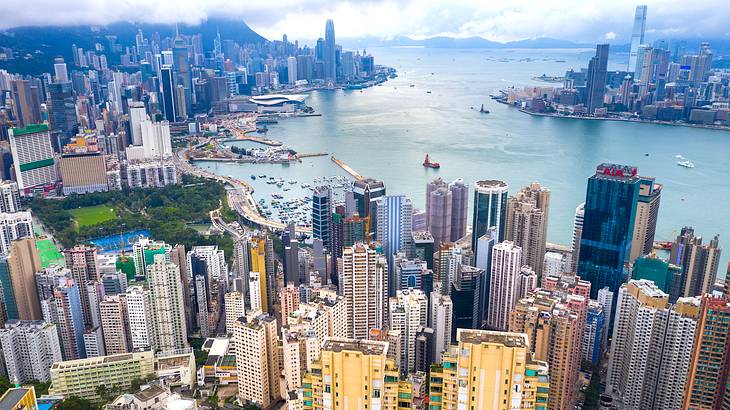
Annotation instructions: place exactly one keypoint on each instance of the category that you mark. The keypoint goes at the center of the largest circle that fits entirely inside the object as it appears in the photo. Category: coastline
(629, 120)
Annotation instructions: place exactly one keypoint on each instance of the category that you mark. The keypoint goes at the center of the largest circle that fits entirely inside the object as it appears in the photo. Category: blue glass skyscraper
(330, 52)
(490, 208)
(608, 225)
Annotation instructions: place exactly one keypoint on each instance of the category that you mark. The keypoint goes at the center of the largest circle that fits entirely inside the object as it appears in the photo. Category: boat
(253, 177)
(428, 164)
(679, 156)
(483, 111)
(686, 163)
(412, 85)
(428, 92)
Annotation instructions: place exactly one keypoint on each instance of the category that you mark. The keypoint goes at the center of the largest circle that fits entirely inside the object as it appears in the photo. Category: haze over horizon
(573, 20)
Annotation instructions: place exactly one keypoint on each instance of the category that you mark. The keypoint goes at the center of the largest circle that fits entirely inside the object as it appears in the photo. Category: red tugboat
(428, 164)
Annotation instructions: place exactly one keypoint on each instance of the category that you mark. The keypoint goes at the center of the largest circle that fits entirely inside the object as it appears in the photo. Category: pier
(347, 169)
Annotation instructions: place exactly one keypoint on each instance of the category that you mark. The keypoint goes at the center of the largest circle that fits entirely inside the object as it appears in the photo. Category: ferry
(483, 111)
(428, 164)
(686, 163)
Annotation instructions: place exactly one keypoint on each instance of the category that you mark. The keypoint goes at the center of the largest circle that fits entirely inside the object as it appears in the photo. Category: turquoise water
(384, 132)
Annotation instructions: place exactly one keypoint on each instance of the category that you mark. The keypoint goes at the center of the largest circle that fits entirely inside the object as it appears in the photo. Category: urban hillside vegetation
(166, 212)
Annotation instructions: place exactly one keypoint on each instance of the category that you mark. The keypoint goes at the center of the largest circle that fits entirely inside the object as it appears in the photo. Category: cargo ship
(428, 164)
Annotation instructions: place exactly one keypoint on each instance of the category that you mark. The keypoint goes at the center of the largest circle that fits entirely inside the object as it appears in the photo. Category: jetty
(347, 169)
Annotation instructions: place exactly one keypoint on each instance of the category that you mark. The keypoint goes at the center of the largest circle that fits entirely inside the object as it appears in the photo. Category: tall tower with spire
(330, 52)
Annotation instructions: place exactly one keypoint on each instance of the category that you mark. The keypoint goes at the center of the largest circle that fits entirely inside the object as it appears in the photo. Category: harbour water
(384, 132)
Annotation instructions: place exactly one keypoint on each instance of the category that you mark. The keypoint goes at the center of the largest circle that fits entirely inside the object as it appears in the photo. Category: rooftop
(11, 398)
(368, 347)
(487, 336)
(491, 184)
(30, 129)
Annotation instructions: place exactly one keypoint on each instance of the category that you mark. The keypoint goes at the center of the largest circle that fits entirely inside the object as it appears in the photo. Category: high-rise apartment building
(394, 231)
(13, 226)
(235, 306)
(65, 310)
(408, 313)
(490, 208)
(115, 324)
(553, 317)
(651, 346)
(289, 299)
(489, 370)
(33, 159)
(526, 224)
(22, 264)
(9, 197)
(706, 386)
(504, 284)
(594, 334)
(608, 226)
(84, 266)
(647, 213)
(364, 284)
(440, 319)
(355, 374)
(699, 262)
(168, 305)
(257, 359)
(577, 235)
(439, 206)
(459, 208)
(29, 350)
(141, 318)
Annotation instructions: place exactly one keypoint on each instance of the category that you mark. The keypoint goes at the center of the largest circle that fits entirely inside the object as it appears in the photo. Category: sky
(497, 20)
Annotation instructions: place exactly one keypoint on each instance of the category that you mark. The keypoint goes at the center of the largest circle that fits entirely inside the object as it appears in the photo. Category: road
(240, 197)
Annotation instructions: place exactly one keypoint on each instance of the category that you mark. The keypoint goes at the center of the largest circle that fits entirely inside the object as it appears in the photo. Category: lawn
(92, 215)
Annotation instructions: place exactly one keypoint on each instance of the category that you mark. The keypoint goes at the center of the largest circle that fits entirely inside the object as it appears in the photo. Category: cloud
(499, 20)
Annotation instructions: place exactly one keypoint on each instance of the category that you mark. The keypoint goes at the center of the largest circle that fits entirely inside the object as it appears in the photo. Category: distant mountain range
(468, 42)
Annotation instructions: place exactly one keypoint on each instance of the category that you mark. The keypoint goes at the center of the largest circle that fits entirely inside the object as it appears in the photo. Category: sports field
(92, 215)
(48, 253)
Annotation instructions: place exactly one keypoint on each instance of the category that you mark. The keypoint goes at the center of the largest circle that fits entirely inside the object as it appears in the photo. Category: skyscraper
(651, 346)
(490, 370)
(408, 313)
(438, 211)
(637, 35)
(330, 52)
(699, 262)
(257, 359)
(364, 283)
(526, 224)
(706, 386)
(291, 63)
(365, 192)
(84, 266)
(62, 111)
(321, 214)
(596, 78)
(141, 318)
(68, 315)
(115, 324)
(26, 103)
(33, 157)
(23, 262)
(167, 84)
(166, 294)
(504, 290)
(647, 213)
(394, 231)
(553, 317)
(608, 226)
(440, 318)
(14, 226)
(490, 207)
(577, 234)
(459, 208)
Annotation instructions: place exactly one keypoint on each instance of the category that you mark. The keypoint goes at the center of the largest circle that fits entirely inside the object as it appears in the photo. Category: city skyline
(502, 22)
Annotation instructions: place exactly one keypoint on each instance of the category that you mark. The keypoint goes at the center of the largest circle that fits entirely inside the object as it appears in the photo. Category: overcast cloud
(498, 20)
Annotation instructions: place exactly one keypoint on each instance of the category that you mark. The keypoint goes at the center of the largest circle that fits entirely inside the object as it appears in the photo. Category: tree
(74, 403)
(212, 402)
(5, 385)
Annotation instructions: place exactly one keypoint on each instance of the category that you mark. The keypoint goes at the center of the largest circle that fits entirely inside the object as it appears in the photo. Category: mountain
(468, 42)
(42, 44)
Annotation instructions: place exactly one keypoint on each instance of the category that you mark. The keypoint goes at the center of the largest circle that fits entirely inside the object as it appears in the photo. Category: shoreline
(628, 120)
